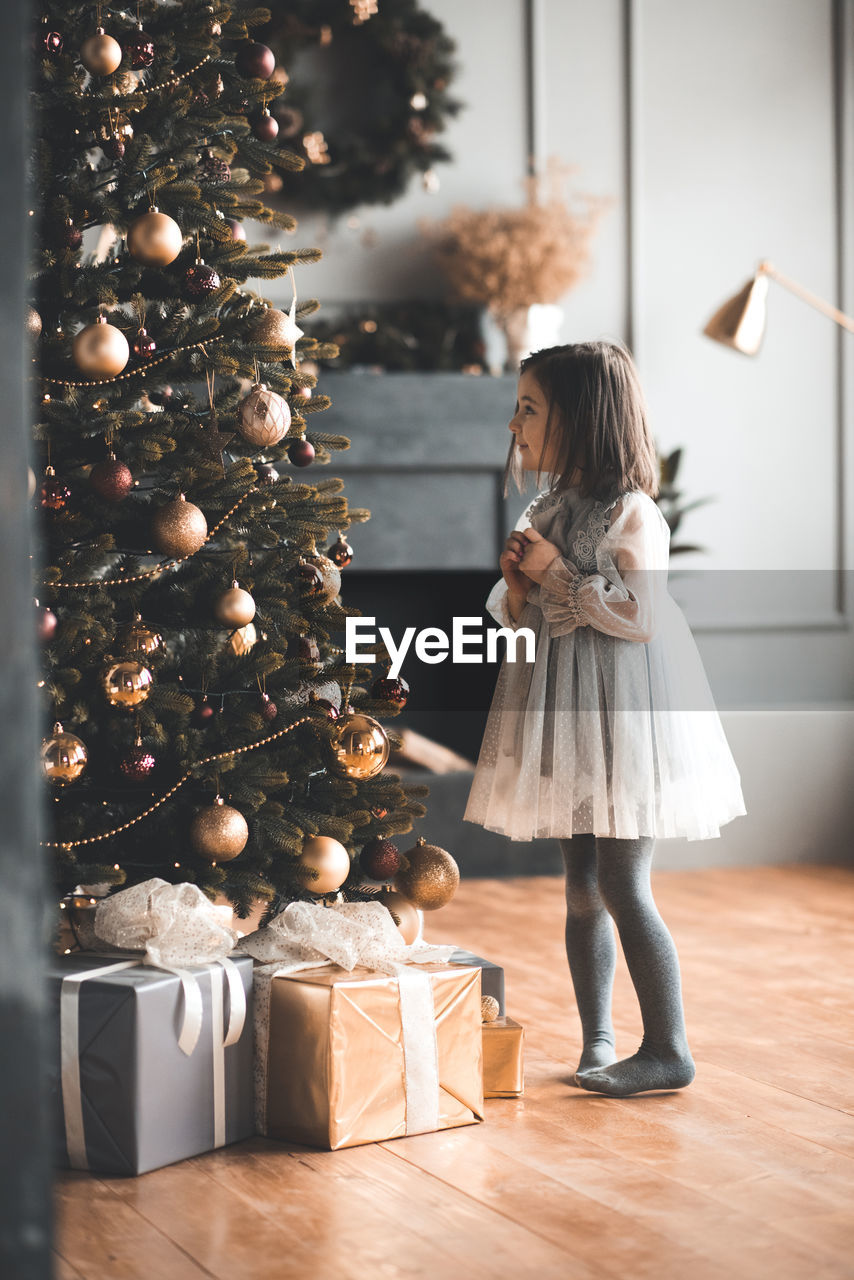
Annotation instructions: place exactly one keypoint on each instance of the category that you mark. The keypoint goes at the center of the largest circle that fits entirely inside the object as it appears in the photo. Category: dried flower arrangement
(508, 258)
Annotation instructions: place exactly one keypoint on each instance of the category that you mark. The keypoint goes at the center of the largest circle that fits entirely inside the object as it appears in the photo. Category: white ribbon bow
(175, 926)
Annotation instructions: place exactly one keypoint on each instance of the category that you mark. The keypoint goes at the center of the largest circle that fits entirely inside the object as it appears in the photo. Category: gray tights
(610, 879)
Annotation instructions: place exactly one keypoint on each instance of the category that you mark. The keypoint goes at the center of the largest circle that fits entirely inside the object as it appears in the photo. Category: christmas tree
(205, 725)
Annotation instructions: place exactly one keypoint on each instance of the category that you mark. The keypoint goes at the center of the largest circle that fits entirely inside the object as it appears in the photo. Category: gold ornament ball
(273, 329)
(219, 832)
(243, 639)
(33, 323)
(328, 858)
(330, 575)
(235, 607)
(101, 350)
(126, 683)
(403, 913)
(264, 417)
(63, 756)
(101, 55)
(179, 528)
(489, 1009)
(137, 637)
(155, 239)
(432, 877)
(359, 746)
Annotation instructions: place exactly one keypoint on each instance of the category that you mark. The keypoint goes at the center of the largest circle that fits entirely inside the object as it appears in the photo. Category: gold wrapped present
(355, 1057)
(503, 1063)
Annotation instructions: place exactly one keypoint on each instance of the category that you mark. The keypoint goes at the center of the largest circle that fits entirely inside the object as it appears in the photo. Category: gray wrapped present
(153, 1045)
(491, 979)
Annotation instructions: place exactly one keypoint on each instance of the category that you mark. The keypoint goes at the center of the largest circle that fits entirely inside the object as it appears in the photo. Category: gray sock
(590, 950)
(663, 1060)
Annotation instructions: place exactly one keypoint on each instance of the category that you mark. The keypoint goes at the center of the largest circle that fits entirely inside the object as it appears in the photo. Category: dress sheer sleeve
(623, 597)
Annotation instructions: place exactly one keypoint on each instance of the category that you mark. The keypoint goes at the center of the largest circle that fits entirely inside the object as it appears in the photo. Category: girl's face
(528, 426)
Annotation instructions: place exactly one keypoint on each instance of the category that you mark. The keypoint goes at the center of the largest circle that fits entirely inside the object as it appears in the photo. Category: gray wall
(722, 133)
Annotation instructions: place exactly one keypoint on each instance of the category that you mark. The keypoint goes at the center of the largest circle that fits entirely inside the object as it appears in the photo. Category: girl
(610, 738)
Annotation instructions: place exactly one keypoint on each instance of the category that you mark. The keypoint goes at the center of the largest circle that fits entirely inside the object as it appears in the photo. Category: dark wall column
(24, 1165)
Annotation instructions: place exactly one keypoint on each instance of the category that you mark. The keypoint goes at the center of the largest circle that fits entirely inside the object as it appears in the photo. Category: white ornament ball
(264, 417)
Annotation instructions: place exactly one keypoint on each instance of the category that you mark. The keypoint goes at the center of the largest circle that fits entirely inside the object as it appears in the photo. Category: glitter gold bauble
(330, 578)
(101, 350)
(154, 239)
(235, 607)
(273, 328)
(359, 746)
(138, 638)
(179, 528)
(489, 1009)
(432, 877)
(328, 858)
(33, 322)
(243, 639)
(219, 832)
(126, 683)
(403, 913)
(63, 756)
(101, 55)
(263, 417)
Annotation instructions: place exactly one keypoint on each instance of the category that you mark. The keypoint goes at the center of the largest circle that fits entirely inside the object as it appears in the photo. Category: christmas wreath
(366, 95)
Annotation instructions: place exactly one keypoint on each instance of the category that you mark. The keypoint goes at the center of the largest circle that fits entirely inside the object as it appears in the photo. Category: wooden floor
(748, 1173)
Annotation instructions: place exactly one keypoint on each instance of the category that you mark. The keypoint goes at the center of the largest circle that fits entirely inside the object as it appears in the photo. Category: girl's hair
(598, 415)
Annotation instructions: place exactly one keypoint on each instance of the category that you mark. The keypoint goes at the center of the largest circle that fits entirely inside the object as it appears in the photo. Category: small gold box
(503, 1059)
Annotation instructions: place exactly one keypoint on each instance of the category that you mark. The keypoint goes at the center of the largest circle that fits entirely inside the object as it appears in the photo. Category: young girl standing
(610, 738)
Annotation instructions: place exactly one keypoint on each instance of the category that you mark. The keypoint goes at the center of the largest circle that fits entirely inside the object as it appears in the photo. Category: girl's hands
(511, 557)
(518, 583)
(537, 556)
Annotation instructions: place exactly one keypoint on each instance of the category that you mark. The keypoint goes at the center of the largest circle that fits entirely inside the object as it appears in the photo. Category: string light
(133, 373)
(223, 755)
(150, 573)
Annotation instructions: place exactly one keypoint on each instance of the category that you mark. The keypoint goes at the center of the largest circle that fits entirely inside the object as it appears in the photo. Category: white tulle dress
(612, 730)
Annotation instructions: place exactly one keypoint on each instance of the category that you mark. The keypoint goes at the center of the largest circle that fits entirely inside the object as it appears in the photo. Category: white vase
(510, 337)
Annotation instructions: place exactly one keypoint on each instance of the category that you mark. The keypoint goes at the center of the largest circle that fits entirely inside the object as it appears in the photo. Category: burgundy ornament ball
(114, 147)
(203, 714)
(236, 228)
(144, 345)
(139, 47)
(137, 764)
(268, 709)
(46, 623)
(255, 60)
(213, 169)
(301, 453)
(266, 474)
(305, 648)
(73, 236)
(54, 492)
(53, 42)
(265, 127)
(112, 480)
(310, 579)
(380, 859)
(200, 281)
(394, 691)
(340, 553)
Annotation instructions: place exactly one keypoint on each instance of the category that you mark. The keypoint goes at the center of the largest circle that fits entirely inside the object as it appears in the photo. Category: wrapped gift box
(127, 1098)
(351, 1057)
(503, 1062)
(492, 976)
